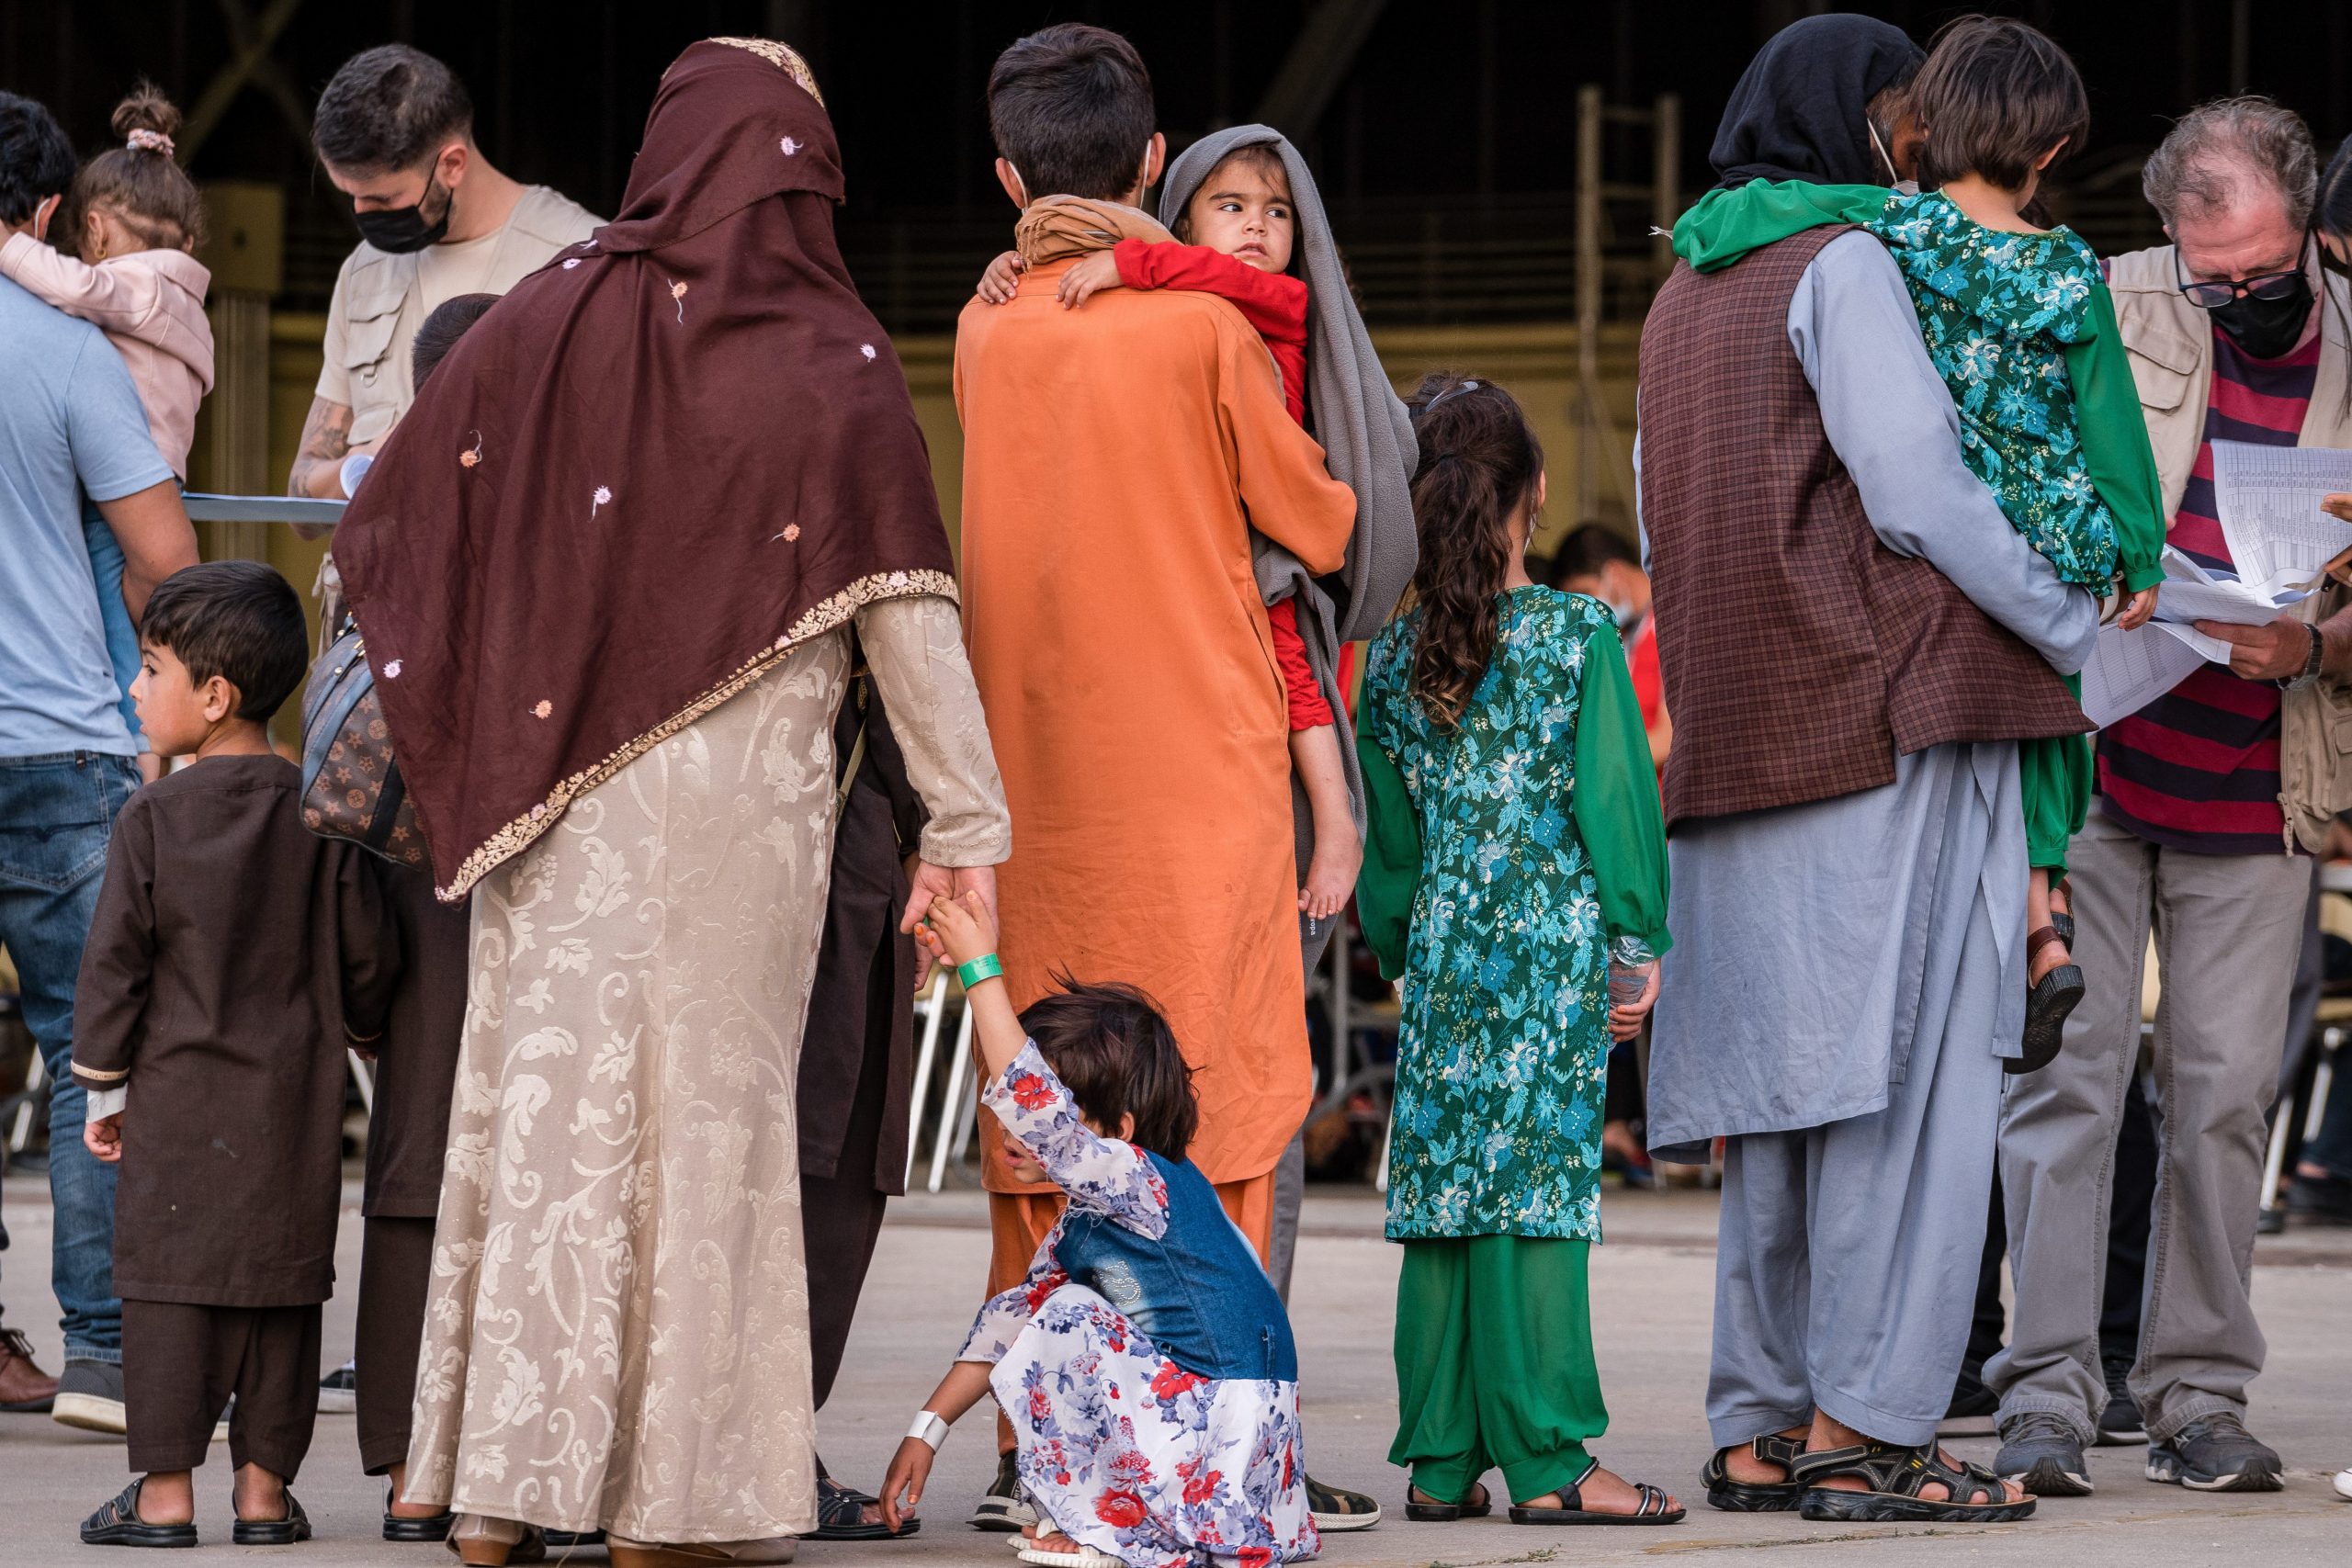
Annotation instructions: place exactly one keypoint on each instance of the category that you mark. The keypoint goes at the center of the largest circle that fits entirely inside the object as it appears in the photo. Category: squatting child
(1515, 868)
(2018, 323)
(1145, 1364)
(233, 956)
(1236, 239)
(137, 218)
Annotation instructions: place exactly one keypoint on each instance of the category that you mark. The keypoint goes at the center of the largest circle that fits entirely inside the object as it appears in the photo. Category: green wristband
(985, 968)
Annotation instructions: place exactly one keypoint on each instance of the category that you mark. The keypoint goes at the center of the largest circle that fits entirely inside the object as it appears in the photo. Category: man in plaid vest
(1853, 640)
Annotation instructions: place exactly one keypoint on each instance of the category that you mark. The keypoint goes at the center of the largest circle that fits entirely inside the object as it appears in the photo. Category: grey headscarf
(1368, 440)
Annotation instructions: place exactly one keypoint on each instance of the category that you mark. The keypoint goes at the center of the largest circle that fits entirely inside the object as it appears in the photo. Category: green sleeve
(1725, 225)
(2115, 444)
(1392, 857)
(1616, 797)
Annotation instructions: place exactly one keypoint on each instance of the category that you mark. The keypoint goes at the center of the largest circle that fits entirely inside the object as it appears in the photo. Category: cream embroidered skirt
(619, 1330)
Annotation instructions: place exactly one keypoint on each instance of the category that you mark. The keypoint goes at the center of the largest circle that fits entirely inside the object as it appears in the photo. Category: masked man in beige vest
(2207, 799)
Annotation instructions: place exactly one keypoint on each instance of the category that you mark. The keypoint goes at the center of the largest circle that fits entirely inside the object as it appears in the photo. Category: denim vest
(1198, 1292)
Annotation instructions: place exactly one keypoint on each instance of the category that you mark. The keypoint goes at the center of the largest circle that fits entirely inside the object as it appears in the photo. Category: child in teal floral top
(2018, 323)
(1514, 847)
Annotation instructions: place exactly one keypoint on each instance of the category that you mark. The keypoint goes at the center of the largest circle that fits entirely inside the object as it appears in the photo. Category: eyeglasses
(2212, 296)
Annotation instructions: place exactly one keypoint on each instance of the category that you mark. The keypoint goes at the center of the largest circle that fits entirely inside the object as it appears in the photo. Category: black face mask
(402, 229)
(2267, 328)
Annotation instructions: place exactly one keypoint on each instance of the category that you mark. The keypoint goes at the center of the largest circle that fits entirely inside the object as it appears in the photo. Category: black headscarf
(1800, 110)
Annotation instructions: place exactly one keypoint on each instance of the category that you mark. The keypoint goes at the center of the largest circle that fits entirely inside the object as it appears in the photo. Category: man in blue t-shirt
(71, 425)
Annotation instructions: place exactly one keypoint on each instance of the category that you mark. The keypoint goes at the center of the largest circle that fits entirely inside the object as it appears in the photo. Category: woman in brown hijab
(608, 571)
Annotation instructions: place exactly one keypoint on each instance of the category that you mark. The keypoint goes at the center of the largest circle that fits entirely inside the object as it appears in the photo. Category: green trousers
(2055, 776)
(1493, 1365)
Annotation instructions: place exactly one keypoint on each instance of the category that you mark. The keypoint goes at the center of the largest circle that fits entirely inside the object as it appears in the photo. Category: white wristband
(929, 1427)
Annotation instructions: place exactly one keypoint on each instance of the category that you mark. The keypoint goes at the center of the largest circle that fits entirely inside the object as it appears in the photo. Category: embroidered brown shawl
(657, 465)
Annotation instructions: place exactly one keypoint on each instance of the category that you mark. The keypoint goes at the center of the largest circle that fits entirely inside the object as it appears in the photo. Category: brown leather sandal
(2047, 1005)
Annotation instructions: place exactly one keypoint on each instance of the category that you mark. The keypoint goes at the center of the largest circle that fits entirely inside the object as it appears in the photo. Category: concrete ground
(1651, 1288)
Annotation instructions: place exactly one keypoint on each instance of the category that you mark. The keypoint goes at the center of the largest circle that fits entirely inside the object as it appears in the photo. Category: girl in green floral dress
(2018, 323)
(1514, 850)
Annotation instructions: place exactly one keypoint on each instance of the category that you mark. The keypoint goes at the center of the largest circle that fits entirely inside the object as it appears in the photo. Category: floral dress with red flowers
(1120, 1447)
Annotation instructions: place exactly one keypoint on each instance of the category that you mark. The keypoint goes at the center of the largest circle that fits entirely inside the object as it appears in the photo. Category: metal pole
(1666, 141)
(1588, 492)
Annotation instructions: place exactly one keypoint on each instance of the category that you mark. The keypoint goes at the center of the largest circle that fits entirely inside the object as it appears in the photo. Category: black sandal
(2054, 997)
(294, 1526)
(1755, 1496)
(2063, 920)
(1651, 1510)
(1446, 1513)
(118, 1524)
(1892, 1477)
(840, 1514)
(431, 1528)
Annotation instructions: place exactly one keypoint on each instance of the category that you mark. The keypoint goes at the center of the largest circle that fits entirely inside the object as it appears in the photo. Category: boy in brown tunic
(233, 955)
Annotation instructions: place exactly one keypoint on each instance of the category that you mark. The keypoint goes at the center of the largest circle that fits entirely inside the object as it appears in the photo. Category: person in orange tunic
(1116, 458)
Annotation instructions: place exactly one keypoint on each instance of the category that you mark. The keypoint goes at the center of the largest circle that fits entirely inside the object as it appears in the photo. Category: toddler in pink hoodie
(138, 218)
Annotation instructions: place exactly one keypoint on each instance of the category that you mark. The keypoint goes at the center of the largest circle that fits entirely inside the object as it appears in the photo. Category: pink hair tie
(145, 140)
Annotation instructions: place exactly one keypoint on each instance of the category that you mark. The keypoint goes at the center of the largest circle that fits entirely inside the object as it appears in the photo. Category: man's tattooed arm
(326, 441)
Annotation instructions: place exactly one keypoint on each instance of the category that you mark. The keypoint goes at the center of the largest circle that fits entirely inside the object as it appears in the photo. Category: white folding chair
(930, 1009)
(952, 1104)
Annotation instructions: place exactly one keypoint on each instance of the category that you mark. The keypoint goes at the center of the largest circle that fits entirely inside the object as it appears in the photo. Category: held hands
(1089, 276)
(928, 882)
(2137, 609)
(102, 1137)
(1624, 1022)
(958, 930)
(1003, 276)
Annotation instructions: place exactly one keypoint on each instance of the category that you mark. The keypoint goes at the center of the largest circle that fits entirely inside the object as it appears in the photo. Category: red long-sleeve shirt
(1275, 304)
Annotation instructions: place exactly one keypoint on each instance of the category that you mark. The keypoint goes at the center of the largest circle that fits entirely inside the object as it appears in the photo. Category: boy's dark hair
(144, 188)
(36, 160)
(1071, 109)
(390, 107)
(232, 618)
(1114, 1050)
(1586, 550)
(439, 333)
(1995, 96)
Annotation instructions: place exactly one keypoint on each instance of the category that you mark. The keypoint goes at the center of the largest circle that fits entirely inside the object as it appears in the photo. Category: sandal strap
(2040, 938)
(1897, 1472)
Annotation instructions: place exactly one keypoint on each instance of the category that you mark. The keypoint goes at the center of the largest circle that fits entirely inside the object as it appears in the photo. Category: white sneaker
(339, 1390)
(2343, 1485)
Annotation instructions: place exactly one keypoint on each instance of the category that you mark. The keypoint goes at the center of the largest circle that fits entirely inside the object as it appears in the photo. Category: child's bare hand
(1625, 1022)
(2137, 609)
(1089, 276)
(909, 1469)
(958, 930)
(1003, 278)
(1330, 876)
(102, 1135)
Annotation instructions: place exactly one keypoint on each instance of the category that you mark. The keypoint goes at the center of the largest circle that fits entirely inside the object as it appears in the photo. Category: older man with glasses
(2207, 799)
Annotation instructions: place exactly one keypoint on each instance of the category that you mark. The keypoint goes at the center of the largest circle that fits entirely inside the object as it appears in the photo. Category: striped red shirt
(2198, 769)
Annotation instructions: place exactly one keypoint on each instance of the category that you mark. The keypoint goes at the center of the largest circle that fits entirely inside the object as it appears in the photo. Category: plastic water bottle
(1629, 961)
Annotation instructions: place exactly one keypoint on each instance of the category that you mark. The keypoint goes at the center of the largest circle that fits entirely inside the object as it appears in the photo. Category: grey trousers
(2229, 931)
(1847, 1255)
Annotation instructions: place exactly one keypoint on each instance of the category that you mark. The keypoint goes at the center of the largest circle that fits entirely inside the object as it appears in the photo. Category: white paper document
(2130, 670)
(2268, 499)
(2192, 594)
